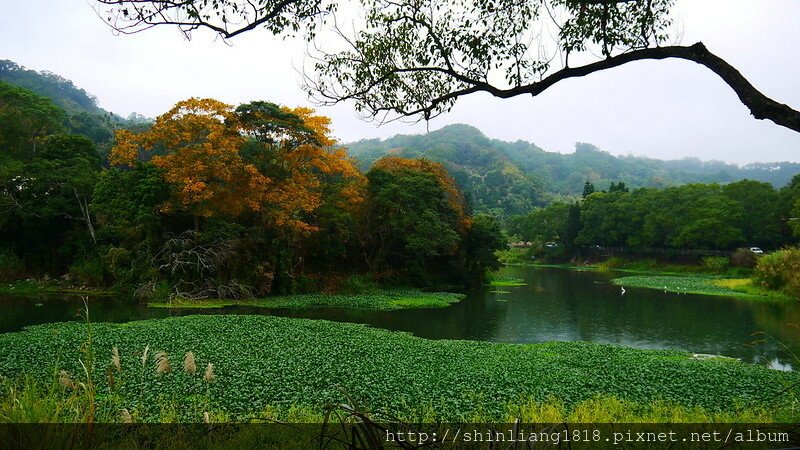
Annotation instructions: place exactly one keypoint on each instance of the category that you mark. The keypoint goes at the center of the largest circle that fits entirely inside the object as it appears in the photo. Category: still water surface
(555, 305)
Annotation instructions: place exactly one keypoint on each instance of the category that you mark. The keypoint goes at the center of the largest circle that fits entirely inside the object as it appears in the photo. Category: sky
(662, 109)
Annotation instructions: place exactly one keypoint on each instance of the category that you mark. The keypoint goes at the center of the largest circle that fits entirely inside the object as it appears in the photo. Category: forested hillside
(82, 115)
(511, 177)
(497, 177)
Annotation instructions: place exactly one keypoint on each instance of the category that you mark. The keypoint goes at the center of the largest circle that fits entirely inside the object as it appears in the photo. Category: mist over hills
(511, 177)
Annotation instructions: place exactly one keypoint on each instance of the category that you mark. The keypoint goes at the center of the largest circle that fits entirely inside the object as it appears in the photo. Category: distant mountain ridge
(511, 177)
(498, 177)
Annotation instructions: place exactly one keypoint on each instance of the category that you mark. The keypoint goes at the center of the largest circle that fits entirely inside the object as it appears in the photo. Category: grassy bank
(24, 287)
(264, 364)
(704, 285)
(498, 281)
(381, 299)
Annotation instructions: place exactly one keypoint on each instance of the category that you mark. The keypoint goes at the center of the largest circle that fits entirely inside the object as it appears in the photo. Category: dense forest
(693, 216)
(215, 201)
(505, 178)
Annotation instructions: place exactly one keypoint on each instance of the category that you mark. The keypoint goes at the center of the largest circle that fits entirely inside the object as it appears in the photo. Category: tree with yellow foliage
(293, 148)
(197, 149)
(258, 158)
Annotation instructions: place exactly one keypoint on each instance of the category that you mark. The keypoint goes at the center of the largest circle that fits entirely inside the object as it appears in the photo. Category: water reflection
(555, 305)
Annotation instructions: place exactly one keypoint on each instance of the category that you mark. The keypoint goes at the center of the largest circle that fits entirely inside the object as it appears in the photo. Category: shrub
(615, 262)
(119, 263)
(358, 284)
(11, 267)
(306, 285)
(744, 258)
(716, 263)
(514, 255)
(90, 271)
(780, 271)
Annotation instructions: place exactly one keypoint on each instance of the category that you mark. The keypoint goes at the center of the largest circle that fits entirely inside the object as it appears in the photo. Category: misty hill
(513, 176)
(83, 114)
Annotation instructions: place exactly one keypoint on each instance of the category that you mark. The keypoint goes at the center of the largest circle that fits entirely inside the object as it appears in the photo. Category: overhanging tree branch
(760, 106)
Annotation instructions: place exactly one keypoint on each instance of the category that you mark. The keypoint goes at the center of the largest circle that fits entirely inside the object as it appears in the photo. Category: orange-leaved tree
(258, 158)
(294, 150)
(196, 145)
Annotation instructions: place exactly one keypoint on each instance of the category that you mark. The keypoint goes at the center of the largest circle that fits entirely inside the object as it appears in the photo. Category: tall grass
(11, 267)
(78, 398)
(780, 271)
(89, 271)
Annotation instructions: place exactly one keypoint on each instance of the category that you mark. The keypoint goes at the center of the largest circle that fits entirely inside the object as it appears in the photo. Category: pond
(554, 305)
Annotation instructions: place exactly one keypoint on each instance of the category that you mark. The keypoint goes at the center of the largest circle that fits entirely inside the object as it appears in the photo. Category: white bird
(623, 290)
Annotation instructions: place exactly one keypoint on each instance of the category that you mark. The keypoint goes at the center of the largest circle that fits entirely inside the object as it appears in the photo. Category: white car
(756, 250)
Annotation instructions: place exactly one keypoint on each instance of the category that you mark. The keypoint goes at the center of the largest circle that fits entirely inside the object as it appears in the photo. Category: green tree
(789, 205)
(126, 203)
(618, 187)
(588, 189)
(760, 222)
(541, 224)
(609, 219)
(412, 223)
(64, 173)
(478, 246)
(47, 201)
(26, 118)
(572, 228)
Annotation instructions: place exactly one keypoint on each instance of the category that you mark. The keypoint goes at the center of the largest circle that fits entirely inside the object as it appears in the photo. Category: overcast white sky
(662, 109)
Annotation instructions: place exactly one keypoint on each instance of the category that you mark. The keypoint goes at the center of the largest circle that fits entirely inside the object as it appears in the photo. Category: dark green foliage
(760, 223)
(618, 187)
(93, 126)
(126, 204)
(25, 118)
(11, 267)
(789, 200)
(411, 225)
(572, 228)
(694, 216)
(91, 272)
(47, 198)
(588, 189)
(478, 247)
